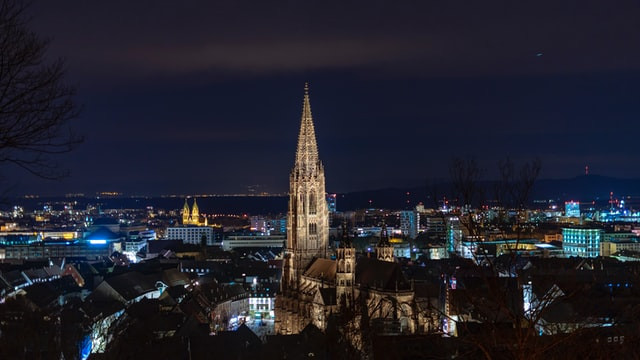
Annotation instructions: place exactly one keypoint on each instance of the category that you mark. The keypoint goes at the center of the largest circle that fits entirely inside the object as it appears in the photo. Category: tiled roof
(328, 296)
(322, 269)
(380, 274)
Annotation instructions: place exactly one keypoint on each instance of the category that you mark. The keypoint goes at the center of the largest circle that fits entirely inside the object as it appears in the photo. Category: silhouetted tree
(35, 104)
(494, 307)
(465, 180)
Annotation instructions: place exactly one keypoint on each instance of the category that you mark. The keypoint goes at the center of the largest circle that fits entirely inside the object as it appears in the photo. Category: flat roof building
(582, 242)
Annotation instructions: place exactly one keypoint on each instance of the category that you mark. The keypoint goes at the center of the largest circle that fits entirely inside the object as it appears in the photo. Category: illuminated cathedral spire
(308, 215)
(314, 288)
(307, 161)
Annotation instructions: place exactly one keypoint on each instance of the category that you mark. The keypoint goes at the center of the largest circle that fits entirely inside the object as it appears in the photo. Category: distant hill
(585, 188)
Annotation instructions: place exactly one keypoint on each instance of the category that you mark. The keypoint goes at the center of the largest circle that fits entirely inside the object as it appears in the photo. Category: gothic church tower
(346, 269)
(195, 212)
(384, 249)
(191, 216)
(186, 212)
(308, 215)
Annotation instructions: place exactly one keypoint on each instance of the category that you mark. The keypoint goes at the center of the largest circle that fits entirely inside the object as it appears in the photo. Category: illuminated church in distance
(192, 216)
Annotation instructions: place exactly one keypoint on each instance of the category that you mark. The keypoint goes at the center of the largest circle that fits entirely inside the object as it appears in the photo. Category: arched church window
(348, 267)
(312, 229)
(312, 202)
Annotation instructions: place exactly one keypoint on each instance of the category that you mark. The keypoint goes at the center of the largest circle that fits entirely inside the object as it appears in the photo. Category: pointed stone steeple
(345, 241)
(308, 215)
(186, 212)
(384, 249)
(384, 236)
(307, 161)
(195, 211)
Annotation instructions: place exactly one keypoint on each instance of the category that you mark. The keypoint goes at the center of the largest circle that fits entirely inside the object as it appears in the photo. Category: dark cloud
(420, 37)
(205, 96)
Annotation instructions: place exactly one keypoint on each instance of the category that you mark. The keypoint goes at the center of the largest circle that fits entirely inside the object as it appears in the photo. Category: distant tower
(346, 268)
(586, 170)
(384, 249)
(190, 216)
(611, 201)
(185, 212)
(308, 215)
(195, 212)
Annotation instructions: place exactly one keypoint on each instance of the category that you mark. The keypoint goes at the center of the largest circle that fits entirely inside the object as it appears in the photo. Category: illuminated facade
(572, 209)
(581, 242)
(255, 240)
(307, 218)
(314, 287)
(384, 249)
(192, 216)
(409, 222)
(307, 231)
(191, 234)
(269, 226)
(59, 249)
(137, 242)
(616, 247)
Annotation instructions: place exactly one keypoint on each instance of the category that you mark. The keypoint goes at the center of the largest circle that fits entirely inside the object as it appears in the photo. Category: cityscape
(526, 251)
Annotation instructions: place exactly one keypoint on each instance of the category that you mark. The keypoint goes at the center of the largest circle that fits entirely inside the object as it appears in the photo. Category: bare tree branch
(35, 104)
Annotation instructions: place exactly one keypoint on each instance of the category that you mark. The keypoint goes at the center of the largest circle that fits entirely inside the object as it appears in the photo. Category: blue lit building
(331, 203)
(19, 239)
(409, 221)
(103, 235)
(582, 242)
(454, 234)
(618, 215)
(56, 249)
(572, 209)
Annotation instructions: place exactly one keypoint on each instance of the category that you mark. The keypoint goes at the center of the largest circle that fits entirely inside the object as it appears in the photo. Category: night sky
(205, 97)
